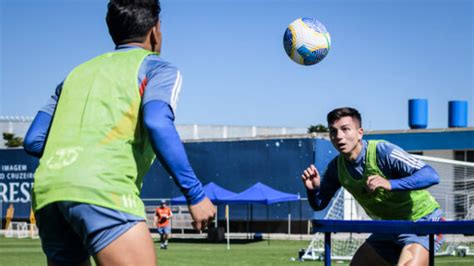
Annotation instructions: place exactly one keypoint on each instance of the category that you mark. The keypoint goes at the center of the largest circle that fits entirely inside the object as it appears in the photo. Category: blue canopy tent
(214, 192)
(260, 193)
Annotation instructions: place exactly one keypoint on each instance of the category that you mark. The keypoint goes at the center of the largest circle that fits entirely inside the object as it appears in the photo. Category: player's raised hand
(203, 213)
(311, 178)
(376, 181)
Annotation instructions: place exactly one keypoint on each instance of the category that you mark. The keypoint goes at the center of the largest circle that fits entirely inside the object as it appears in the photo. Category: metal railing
(19, 125)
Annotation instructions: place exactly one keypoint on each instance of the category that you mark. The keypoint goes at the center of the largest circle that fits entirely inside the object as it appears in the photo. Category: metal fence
(19, 125)
(194, 132)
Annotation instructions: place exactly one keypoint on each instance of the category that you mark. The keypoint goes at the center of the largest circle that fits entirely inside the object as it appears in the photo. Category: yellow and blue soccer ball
(306, 41)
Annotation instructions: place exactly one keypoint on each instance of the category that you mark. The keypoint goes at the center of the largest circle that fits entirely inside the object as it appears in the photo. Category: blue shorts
(164, 230)
(70, 232)
(389, 246)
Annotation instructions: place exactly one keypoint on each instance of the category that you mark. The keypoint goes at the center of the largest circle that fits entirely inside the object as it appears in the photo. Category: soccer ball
(306, 41)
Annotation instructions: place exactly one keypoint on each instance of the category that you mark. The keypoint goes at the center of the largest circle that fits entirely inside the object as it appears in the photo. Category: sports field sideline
(198, 252)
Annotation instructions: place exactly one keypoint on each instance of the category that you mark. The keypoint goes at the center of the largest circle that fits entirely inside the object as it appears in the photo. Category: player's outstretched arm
(320, 190)
(159, 122)
(420, 179)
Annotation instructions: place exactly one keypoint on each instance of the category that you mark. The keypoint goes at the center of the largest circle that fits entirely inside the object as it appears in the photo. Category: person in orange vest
(163, 215)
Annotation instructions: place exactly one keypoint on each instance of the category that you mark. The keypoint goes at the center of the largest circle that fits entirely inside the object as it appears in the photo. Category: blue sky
(234, 67)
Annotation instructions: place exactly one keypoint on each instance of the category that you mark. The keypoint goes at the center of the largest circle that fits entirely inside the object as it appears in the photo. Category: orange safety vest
(163, 215)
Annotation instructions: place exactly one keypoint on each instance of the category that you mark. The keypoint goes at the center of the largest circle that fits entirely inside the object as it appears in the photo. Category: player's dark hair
(339, 113)
(130, 20)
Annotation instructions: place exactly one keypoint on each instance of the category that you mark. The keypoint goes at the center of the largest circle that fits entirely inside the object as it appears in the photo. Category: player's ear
(155, 38)
(360, 133)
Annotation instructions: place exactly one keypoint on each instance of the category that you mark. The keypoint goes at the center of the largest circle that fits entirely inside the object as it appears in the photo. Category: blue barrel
(457, 114)
(418, 113)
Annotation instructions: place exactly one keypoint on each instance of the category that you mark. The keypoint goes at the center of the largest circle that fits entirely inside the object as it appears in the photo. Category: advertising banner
(16, 181)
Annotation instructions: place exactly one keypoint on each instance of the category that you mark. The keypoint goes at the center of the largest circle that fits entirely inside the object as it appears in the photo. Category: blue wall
(418, 141)
(234, 165)
(237, 165)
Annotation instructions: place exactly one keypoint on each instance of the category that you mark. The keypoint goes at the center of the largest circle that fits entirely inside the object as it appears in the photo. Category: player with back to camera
(386, 181)
(98, 136)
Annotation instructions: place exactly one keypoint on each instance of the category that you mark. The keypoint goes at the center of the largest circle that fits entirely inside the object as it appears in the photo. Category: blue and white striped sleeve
(396, 162)
(163, 82)
(405, 171)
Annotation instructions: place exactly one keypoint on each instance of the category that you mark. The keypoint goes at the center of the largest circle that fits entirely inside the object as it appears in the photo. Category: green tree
(12, 141)
(319, 128)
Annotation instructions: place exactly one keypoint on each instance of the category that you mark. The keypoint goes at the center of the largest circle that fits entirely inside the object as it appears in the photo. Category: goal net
(33, 231)
(455, 194)
(17, 230)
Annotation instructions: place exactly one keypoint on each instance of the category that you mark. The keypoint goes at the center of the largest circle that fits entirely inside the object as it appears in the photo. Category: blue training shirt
(160, 83)
(404, 171)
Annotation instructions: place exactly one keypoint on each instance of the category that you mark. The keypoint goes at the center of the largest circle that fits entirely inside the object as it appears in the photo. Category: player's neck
(139, 44)
(354, 153)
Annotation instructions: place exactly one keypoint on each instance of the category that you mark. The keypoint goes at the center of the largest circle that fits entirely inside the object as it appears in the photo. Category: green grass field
(197, 252)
